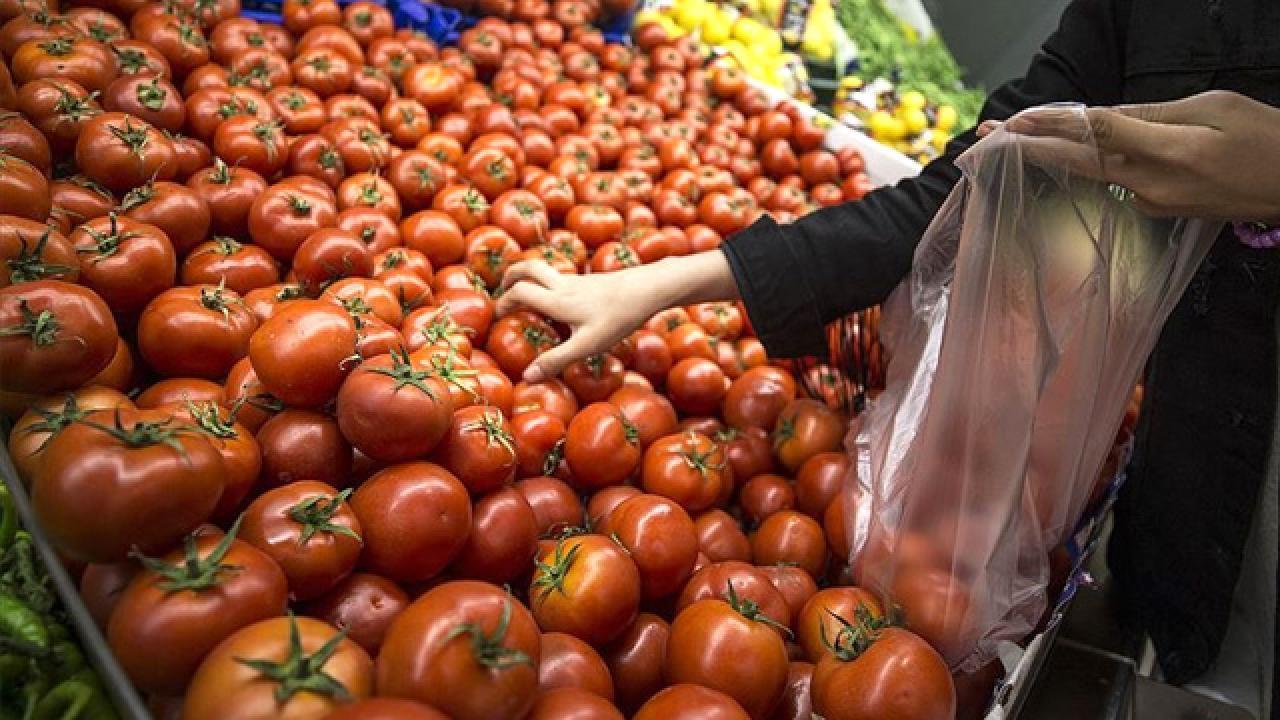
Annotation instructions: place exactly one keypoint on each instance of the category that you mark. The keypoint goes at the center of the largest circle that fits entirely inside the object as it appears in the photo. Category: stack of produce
(267, 413)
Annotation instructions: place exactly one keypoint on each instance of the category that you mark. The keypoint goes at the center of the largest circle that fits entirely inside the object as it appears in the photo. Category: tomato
(68, 56)
(467, 648)
(315, 156)
(539, 440)
(416, 177)
(935, 604)
(594, 378)
(555, 505)
(77, 199)
(661, 539)
(223, 261)
(213, 323)
(362, 605)
(415, 517)
(602, 447)
(21, 139)
(303, 445)
(120, 373)
(749, 452)
(852, 683)
(121, 151)
(100, 587)
(748, 582)
(586, 586)
(180, 606)
(308, 529)
(256, 673)
(310, 334)
(241, 454)
(149, 98)
(464, 204)
(125, 261)
(791, 537)
(179, 40)
(688, 467)
(819, 480)
(93, 510)
(691, 702)
(503, 538)
(24, 191)
(360, 142)
(819, 618)
(329, 255)
(479, 449)
(765, 495)
(571, 702)
(324, 71)
(302, 15)
(252, 143)
(489, 252)
(650, 413)
(381, 708)
(568, 662)
(720, 537)
(169, 393)
(805, 428)
(177, 210)
(47, 418)
(710, 634)
(229, 193)
(54, 336)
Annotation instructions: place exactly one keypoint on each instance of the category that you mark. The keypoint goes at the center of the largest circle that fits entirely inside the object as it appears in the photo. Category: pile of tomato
(267, 414)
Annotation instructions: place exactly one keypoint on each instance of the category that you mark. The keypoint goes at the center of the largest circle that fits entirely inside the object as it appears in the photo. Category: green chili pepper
(8, 518)
(21, 623)
(77, 698)
(13, 668)
(67, 660)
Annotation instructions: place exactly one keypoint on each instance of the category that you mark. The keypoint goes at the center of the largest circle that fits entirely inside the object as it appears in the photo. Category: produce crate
(618, 29)
(440, 23)
(114, 680)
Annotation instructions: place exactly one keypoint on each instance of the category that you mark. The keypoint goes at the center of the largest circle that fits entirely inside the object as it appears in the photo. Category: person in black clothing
(1202, 461)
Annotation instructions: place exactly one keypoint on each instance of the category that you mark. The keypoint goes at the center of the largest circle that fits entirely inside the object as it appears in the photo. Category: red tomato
(241, 454)
(503, 539)
(539, 440)
(394, 506)
(686, 701)
(55, 337)
(467, 648)
(851, 683)
(586, 586)
(805, 428)
(555, 505)
(303, 445)
(122, 480)
(124, 261)
(309, 530)
(601, 447)
(479, 449)
(650, 413)
(214, 326)
(689, 468)
(568, 662)
(819, 618)
(381, 708)
(765, 495)
(279, 653)
(819, 480)
(748, 582)
(791, 537)
(392, 411)
(307, 334)
(661, 539)
(363, 605)
(176, 610)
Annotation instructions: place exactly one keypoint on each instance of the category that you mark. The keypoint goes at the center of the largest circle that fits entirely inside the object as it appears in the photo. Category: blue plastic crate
(263, 16)
(261, 6)
(439, 23)
(618, 29)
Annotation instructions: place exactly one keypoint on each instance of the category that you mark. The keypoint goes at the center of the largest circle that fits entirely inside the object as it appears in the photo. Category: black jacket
(1202, 447)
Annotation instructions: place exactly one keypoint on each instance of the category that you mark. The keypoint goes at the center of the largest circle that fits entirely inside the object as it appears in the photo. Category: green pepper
(8, 518)
(13, 668)
(67, 660)
(22, 576)
(21, 623)
(76, 698)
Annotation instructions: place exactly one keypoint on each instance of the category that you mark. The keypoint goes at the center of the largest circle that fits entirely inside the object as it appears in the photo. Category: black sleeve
(794, 279)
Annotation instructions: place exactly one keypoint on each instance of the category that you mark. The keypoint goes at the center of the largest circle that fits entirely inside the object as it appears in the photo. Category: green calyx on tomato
(403, 372)
(294, 100)
(316, 515)
(194, 573)
(266, 132)
(750, 609)
(319, 63)
(42, 327)
(363, 19)
(329, 158)
(300, 205)
(785, 431)
(134, 138)
(131, 60)
(494, 432)
(474, 201)
(538, 337)
(144, 433)
(554, 457)
(221, 173)
(137, 197)
(300, 672)
(488, 650)
(29, 264)
(58, 46)
(291, 291)
(151, 95)
(700, 461)
(448, 371)
(551, 575)
(369, 194)
(53, 421)
(209, 421)
(854, 638)
(226, 246)
(107, 243)
(74, 108)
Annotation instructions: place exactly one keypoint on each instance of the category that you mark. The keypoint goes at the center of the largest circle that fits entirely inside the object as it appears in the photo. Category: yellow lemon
(946, 118)
(690, 14)
(715, 28)
(912, 100)
(915, 121)
(880, 124)
(940, 140)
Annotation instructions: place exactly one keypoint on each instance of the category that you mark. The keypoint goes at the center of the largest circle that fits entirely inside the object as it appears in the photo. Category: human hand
(603, 308)
(1212, 155)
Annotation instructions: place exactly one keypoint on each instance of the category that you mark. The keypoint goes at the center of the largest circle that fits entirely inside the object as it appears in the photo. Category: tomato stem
(194, 573)
(549, 577)
(315, 514)
(29, 264)
(854, 638)
(403, 372)
(488, 650)
(42, 327)
(300, 672)
(495, 433)
(750, 609)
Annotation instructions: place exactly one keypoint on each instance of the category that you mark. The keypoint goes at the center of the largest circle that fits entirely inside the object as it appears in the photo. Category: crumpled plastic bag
(1034, 299)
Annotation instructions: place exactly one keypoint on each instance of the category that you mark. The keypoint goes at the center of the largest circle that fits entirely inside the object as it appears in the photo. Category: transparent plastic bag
(1033, 301)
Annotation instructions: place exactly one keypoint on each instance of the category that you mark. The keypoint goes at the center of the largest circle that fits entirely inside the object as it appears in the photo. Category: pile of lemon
(911, 126)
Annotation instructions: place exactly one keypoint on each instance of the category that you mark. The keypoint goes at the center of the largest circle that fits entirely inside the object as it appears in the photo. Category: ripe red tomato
(229, 193)
(764, 495)
(650, 413)
(791, 537)
(122, 480)
(279, 653)
(303, 445)
(284, 215)
(121, 151)
(181, 606)
(213, 324)
(467, 648)
(124, 261)
(568, 662)
(686, 701)
(503, 539)
(819, 480)
(748, 581)
(55, 336)
(307, 334)
(689, 468)
(710, 634)
(697, 386)
(363, 605)
(602, 447)
(479, 449)
(415, 517)
(819, 617)
(539, 440)
(852, 684)
(309, 530)
(805, 428)
(586, 586)
(392, 411)
(661, 539)
(382, 708)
